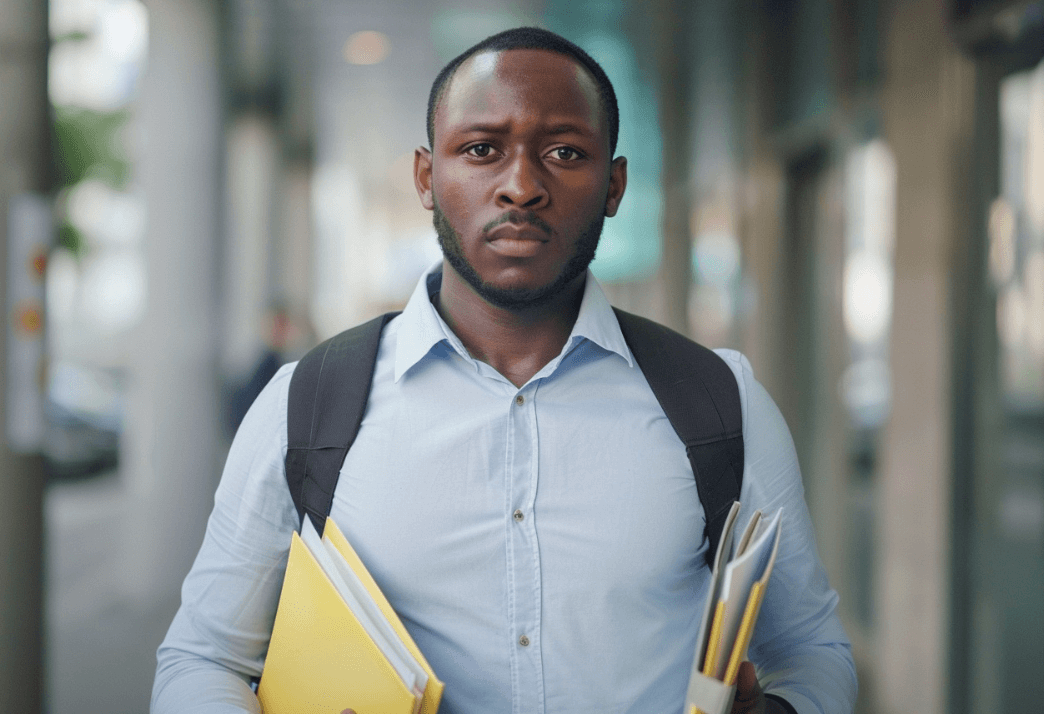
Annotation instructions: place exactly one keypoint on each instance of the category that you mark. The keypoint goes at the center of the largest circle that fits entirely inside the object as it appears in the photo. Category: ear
(617, 185)
(422, 176)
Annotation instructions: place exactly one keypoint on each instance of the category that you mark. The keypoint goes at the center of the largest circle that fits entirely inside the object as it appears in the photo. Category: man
(515, 488)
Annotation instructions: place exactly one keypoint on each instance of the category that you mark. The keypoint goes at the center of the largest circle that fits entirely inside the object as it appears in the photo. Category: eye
(565, 153)
(480, 151)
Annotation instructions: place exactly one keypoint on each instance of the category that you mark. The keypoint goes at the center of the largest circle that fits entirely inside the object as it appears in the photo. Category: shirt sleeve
(219, 636)
(799, 648)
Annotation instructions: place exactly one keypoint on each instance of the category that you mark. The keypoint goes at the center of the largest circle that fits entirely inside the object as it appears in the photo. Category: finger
(748, 691)
(746, 682)
(348, 711)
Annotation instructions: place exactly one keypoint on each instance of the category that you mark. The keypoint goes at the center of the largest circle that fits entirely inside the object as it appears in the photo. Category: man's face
(520, 177)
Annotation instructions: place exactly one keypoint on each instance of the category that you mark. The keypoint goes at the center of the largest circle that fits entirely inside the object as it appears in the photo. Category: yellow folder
(321, 659)
(433, 692)
(738, 585)
(746, 630)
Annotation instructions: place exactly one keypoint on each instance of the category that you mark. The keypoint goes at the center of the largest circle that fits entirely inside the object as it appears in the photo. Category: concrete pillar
(674, 59)
(762, 198)
(293, 249)
(253, 41)
(24, 164)
(252, 178)
(715, 301)
(928, 103)
(292, 273)
(823, 435)
(170, 451)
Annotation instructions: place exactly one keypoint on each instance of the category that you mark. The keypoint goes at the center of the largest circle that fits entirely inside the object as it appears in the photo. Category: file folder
(322, 657)
(738, 585)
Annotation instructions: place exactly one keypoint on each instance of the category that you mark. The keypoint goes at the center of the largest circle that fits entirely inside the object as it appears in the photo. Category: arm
(219, 637)
(799, 648)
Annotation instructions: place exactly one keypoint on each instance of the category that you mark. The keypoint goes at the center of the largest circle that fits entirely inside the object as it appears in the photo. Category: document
(740, 577)
(336, 641)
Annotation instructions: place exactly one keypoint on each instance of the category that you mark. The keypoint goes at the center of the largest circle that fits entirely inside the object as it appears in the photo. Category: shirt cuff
(782, 702)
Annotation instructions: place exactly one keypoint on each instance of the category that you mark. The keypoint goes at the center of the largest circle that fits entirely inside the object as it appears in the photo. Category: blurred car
(84, 411)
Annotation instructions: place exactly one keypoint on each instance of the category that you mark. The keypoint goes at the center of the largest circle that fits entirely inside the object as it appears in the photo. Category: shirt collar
(421, 327)
(597, 323)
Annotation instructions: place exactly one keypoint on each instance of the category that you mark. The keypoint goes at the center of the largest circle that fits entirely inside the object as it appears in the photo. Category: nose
(522, 184)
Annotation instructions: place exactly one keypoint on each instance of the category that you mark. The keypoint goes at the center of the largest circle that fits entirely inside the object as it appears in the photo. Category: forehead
(511, 84)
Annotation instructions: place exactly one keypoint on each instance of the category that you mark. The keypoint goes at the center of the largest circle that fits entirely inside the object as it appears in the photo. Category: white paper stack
(738, 585)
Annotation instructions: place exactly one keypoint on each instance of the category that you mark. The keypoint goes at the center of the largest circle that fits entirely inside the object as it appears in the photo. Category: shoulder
(267, 415)
(281, 378)
(741, 370)
(737, 362)
(760, 413)
(253, 479)
(279, 385)
(765, 432)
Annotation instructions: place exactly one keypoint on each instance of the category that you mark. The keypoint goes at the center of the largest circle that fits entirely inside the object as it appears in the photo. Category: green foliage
(87, 146)
(70, 238)
(74, 36)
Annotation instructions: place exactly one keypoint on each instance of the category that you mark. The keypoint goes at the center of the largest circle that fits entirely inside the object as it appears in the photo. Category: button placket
(524, 554)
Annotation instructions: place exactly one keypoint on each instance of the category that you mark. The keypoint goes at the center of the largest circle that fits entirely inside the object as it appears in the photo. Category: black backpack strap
(325, 406)
(699, 394)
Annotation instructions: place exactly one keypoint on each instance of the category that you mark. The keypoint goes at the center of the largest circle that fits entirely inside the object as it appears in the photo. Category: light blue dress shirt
(544, 545)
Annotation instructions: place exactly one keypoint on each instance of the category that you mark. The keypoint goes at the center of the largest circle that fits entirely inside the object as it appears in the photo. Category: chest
(450, 474)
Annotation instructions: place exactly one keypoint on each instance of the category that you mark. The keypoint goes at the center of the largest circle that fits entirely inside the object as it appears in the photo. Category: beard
(516, 299)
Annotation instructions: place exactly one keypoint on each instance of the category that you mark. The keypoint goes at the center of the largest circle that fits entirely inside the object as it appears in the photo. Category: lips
(516, 241)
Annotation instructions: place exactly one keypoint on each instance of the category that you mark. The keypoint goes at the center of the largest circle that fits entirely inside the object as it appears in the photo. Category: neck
(516, 343)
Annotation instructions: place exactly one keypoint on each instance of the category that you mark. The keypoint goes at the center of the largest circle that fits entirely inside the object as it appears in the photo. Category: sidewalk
(101, 648)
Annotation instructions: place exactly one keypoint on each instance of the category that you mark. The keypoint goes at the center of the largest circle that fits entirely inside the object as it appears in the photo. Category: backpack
(695, 387)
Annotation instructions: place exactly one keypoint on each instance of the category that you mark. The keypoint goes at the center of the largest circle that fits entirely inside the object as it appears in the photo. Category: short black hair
(531, 38)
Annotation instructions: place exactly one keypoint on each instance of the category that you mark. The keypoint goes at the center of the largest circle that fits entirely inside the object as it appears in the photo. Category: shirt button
(518, 515)
(520, 400)
(524, 641)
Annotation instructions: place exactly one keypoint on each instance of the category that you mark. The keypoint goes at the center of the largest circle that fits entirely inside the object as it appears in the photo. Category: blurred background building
(850, 192)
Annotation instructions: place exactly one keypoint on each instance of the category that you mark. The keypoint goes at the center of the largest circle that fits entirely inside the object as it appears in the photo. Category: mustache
(517, 218)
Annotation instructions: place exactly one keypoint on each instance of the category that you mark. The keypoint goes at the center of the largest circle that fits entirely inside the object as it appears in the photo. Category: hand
(749, 697)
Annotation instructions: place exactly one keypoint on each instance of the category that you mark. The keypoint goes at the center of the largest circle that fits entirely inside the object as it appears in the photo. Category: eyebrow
(503, 128)
(485, 128)
(568, 129)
